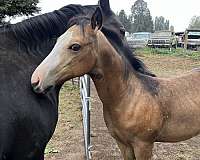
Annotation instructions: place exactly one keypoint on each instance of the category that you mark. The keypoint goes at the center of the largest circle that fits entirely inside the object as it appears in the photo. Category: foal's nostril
(35, 84)
(36, 87)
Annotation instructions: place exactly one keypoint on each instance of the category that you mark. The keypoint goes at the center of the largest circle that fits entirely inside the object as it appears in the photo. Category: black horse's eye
(75, 47)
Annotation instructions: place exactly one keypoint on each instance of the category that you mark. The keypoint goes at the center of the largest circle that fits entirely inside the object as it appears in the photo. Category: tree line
(13, 8)
(195, 23)
(140, 19)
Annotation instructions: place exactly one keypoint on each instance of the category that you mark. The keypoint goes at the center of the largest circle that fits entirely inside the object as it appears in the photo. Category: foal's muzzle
(39, 90)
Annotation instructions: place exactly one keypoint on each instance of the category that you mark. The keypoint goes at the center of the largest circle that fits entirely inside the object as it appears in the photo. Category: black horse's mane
(52, 25)
(117, 42)
(46, 26)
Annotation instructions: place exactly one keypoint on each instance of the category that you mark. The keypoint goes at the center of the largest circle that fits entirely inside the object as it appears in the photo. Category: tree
(195, 23)
(141, 17)
(172, 28)
(161, 24)
(13, 8)
(126, 21)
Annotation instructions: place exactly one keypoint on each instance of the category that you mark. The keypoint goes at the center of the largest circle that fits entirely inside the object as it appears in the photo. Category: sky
(179, 12)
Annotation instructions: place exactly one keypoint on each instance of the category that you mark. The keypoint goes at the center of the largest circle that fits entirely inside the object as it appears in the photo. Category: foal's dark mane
(122, 48)
(127, 54)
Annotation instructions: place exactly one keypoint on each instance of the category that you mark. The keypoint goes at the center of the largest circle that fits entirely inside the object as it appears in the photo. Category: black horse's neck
(37, 36)
(24, 45)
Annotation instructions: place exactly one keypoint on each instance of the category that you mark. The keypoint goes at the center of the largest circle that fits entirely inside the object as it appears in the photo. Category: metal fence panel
(85, 99)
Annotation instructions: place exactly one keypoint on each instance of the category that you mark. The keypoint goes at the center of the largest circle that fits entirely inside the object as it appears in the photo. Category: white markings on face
(55, 58)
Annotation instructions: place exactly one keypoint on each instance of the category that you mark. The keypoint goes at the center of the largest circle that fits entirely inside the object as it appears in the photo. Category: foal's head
(72, 56)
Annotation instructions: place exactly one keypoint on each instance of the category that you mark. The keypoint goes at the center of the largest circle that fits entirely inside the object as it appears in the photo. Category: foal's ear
(97, 19)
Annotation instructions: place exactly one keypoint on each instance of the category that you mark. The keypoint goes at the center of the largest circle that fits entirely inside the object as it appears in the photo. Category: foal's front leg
(142, 150)
(126, 151)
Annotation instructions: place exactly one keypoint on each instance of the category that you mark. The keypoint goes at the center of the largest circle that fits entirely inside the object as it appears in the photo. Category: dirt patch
(67, 142)
(168, 66)
(104, 146)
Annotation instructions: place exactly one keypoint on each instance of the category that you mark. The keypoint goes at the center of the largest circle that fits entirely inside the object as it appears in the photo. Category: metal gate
(85, 99)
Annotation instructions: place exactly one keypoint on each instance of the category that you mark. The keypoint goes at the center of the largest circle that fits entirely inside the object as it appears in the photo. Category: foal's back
(179, 100)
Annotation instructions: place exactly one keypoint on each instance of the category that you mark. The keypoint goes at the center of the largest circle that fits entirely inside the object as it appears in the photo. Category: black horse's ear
(105, 6)
(97, 19)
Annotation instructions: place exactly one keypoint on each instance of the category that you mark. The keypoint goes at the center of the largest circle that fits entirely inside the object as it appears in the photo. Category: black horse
(28, 120)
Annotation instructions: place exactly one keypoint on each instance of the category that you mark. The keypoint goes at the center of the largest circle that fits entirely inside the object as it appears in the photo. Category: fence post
(85, 99)
(186, 40)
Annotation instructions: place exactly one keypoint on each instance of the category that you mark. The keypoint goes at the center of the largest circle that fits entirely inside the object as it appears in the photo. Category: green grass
(179, 52)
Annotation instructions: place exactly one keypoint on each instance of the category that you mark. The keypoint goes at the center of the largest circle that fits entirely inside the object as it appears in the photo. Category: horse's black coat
(27, 120)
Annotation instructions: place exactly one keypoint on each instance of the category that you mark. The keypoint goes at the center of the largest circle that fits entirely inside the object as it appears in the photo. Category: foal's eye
(75, 47)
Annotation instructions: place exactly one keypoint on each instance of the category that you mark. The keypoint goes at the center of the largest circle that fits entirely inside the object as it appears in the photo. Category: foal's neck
(109, 74)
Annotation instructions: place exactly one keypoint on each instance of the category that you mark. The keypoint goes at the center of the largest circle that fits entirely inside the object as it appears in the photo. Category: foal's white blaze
(52, 61)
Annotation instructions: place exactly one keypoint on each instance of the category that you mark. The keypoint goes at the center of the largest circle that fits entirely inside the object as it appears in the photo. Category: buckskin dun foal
(139, 109)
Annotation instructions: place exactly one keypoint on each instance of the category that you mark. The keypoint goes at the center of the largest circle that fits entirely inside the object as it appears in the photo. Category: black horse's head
(111, 22)
(37, 30)
(115, 33)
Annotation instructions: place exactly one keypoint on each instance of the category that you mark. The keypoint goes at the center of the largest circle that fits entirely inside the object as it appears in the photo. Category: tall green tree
(13, 8)
(141, 16)
(126, 20)
(195, 23)
(161, 24)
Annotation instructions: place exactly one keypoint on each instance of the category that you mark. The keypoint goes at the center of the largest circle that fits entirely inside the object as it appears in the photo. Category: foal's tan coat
(139, 110)
(135, 117)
